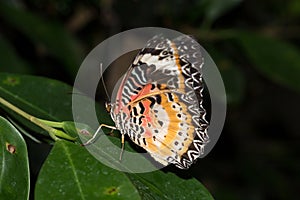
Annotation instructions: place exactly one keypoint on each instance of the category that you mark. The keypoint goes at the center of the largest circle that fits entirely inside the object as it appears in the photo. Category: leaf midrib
(68, 154)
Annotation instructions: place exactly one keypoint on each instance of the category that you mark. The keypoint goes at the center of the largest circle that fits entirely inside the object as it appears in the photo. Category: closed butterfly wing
(159, 101)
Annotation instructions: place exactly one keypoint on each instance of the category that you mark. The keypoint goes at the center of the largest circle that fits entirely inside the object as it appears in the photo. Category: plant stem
(52, 123)
(44, 124)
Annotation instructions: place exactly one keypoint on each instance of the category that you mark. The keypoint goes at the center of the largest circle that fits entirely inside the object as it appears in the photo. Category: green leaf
(14, 168)
(42, 97)
(70, 172)
(277, 60)
(155, 184)
(47, 33)
(167, 185)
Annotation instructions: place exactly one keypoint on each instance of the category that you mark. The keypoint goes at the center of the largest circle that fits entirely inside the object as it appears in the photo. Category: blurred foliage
(255, 44)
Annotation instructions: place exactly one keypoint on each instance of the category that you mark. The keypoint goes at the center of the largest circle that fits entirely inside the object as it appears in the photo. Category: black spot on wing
(158, 99)
(152, 100)
(152, 51)
(161, 123)
(135, 111)
(170, 97)
(142, 108)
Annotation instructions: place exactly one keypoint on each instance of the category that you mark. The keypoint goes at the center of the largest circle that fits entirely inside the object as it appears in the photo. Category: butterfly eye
(108, 106)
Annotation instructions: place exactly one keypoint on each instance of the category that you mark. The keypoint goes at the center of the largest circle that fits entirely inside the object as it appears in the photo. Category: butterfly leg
(90, 141)
(122, 149)
(111, 132)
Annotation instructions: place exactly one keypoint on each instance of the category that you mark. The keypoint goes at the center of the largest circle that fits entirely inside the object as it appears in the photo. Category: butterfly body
(159, 102)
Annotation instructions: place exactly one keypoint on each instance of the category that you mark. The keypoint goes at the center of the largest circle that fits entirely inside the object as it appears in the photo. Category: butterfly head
(108, 106)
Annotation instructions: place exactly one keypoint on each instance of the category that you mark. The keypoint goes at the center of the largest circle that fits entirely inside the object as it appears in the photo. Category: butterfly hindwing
(159, 102)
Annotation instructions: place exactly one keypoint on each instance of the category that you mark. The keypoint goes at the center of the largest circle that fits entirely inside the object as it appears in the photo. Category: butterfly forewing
(159, 101)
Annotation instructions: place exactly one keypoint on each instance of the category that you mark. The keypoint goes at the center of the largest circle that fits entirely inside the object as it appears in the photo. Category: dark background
(255, 44)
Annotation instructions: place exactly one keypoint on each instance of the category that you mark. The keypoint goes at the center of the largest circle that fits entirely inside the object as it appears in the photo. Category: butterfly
(159, 101)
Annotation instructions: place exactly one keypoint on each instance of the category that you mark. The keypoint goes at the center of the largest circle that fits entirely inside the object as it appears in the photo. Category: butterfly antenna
(103, 83)
(113, 128)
